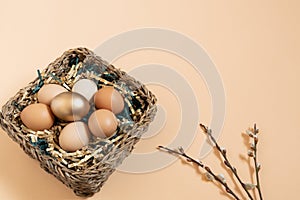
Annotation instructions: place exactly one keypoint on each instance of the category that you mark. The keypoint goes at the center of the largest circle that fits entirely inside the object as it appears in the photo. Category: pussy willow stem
(200, 164)
(226, 161)
(256, 163)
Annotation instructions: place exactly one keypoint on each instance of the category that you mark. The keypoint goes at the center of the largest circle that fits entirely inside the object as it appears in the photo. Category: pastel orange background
(254, 44)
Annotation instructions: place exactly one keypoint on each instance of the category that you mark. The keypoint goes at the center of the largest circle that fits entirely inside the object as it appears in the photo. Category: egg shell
(70, 106)
(37, 117)
(103, 123)
(74, 136)
(110, 99)
(86, 88)
(48, 92)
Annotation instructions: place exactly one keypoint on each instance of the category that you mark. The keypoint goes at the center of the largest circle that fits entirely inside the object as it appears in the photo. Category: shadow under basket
(85, 170)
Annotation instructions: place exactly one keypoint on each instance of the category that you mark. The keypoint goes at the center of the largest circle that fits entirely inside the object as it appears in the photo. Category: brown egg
(110, 99)
(37, 117)
(70, 106)
(48, 92)
(74, 136)
(103, 123)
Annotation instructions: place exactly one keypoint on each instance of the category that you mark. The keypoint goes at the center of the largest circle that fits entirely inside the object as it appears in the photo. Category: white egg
(86, 88)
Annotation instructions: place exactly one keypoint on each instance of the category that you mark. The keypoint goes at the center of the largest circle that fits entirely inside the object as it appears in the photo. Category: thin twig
(257, 166)
(222, 151)
(200, 164)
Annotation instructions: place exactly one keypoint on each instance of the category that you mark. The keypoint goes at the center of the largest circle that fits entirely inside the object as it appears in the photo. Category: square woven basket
(85, 170)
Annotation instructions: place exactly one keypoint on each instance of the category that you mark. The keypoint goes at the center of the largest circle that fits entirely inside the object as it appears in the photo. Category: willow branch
(223, 153)
(256, 164)
(181, 152)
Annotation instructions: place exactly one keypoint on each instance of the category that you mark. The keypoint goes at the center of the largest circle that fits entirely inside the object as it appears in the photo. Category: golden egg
(37, 117)
(70, 106)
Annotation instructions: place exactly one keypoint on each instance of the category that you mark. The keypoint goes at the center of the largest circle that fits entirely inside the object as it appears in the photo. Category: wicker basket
(85, 170)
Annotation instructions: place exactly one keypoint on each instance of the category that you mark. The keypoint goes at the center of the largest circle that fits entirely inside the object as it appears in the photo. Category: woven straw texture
(85, 170)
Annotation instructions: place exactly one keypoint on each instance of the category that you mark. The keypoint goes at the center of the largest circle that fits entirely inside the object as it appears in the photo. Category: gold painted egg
(70, 106)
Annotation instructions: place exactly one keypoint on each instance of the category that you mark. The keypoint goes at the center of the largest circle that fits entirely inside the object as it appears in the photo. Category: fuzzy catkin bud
(250, 133)
(222, 178)
(250, 153)
(249, 186)
(209, 177)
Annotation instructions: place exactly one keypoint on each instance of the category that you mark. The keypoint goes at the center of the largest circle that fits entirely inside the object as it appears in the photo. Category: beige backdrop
(254, 44)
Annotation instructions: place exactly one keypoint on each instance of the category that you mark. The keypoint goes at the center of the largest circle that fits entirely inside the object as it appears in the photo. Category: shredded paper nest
(87, 169)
